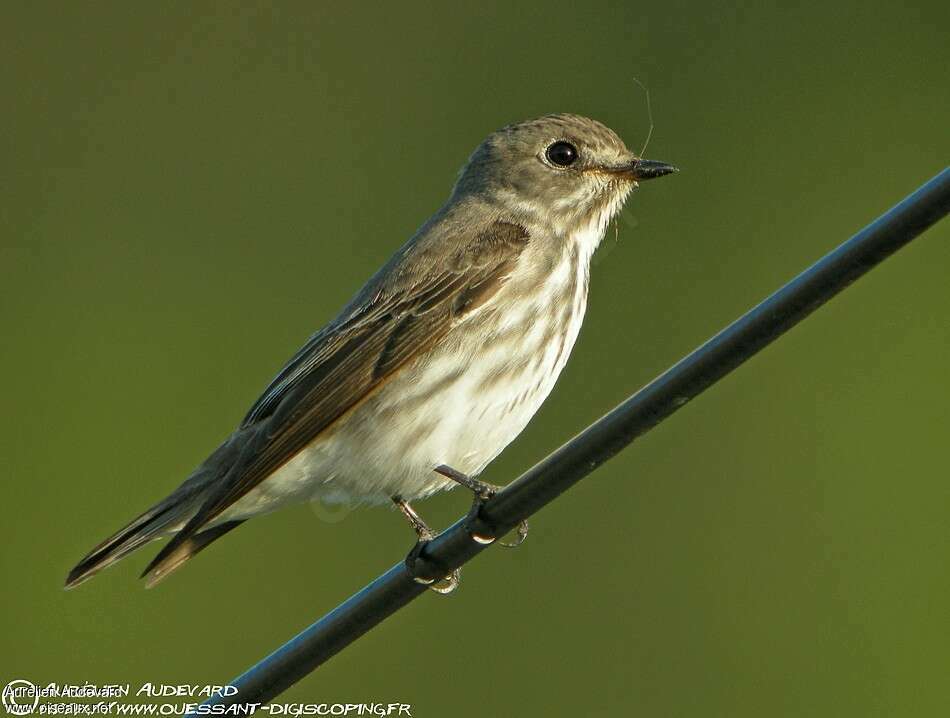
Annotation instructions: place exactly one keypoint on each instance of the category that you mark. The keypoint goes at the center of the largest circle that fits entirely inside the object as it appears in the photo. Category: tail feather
(163, 564)
(145, 528)
(166, 518)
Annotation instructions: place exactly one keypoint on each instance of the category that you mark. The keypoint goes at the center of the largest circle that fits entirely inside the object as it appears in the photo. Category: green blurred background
(190, 190)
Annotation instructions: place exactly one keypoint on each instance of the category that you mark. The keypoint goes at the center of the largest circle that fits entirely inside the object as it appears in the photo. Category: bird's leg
(482, 491)
(423, 535)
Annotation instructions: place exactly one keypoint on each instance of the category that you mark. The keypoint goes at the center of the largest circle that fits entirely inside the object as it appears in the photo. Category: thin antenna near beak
(646, 92)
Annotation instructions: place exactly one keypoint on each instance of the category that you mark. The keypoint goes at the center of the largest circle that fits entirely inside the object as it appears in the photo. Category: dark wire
(606, 437)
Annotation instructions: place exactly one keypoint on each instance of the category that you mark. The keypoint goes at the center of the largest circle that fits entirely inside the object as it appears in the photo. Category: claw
(522, 529)
(447, 584)
(443, 585)
(424, 535)
(482, 492)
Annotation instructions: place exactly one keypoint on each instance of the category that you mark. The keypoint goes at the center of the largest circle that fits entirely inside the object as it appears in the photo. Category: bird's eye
(561, 153)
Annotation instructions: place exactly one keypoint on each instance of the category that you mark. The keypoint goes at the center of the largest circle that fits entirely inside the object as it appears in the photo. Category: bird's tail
(158, 521)
(164, 519)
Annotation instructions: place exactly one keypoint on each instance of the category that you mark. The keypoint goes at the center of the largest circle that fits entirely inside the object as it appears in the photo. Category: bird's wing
(346, 362)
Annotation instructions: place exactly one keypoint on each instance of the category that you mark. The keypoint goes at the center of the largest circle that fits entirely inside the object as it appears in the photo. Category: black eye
(562, 154)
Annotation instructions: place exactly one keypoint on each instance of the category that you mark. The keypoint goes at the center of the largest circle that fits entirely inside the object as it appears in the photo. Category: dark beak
(650, 169)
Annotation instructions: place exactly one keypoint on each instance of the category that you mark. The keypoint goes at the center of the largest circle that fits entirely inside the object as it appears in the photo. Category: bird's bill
(650, 169)
(639, 170)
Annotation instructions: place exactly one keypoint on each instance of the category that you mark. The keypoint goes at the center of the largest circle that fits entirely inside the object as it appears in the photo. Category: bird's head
(556, 169)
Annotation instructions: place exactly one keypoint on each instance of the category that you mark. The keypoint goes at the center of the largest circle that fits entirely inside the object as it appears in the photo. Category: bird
(436, 364)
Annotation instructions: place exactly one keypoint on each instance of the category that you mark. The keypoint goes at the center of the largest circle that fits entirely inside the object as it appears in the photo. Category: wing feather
(346, 362)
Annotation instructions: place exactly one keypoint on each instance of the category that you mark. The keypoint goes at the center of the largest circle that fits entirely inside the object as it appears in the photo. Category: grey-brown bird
(435, 365)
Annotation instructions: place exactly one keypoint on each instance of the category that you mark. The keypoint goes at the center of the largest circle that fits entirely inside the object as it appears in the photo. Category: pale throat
(587, 235)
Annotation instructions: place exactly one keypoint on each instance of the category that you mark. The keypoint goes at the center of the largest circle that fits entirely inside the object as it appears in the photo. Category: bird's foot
(424, 534)
(482, 492)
